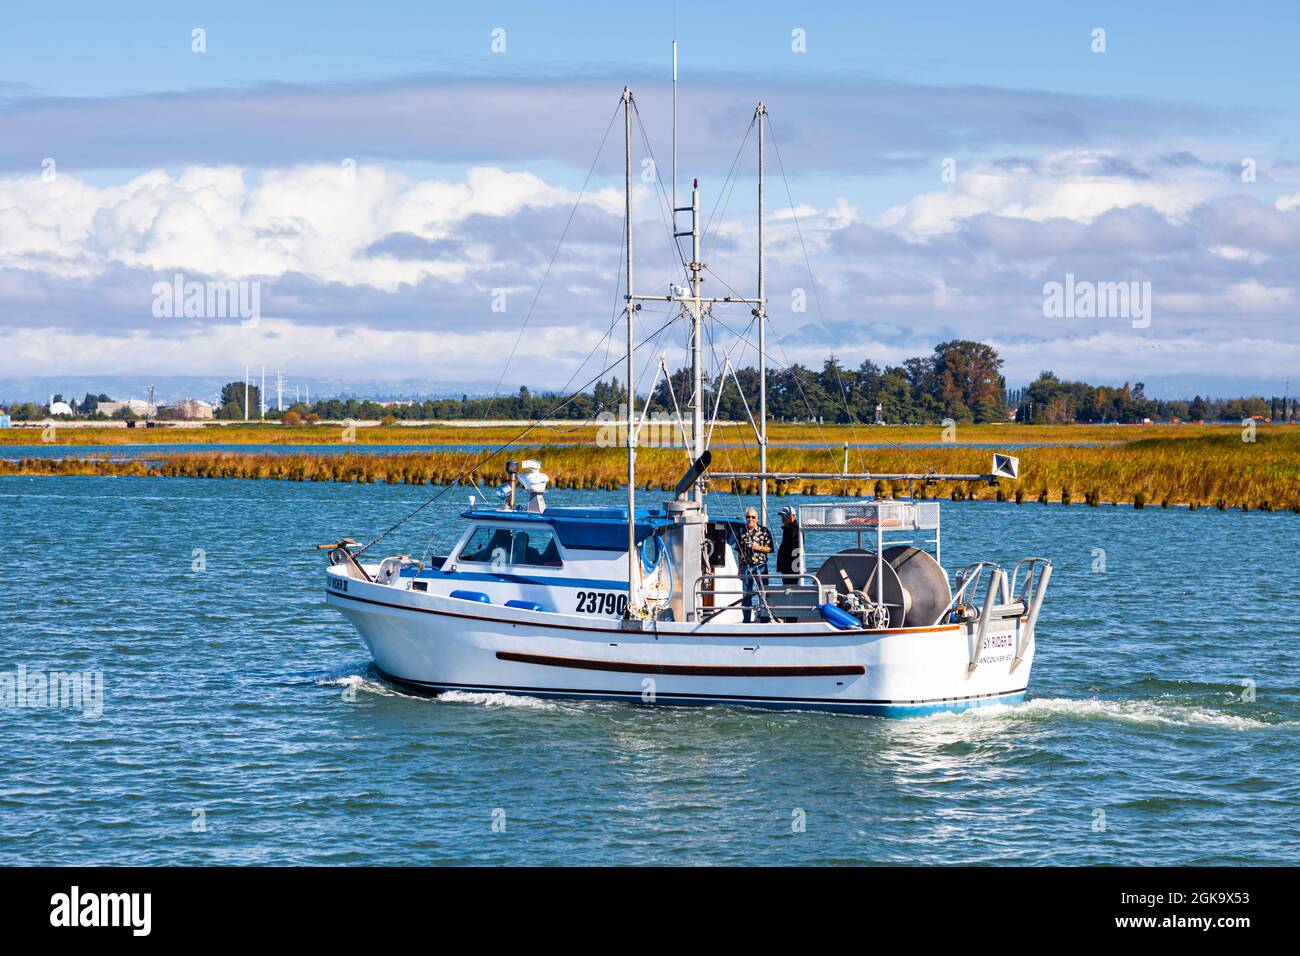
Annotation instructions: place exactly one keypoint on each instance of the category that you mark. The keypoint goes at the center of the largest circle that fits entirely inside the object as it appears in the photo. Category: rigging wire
(730, 171)
(812, 278)
(554, 254)
(813, 383)
(672, 229)
(532, 426)
(843, 399)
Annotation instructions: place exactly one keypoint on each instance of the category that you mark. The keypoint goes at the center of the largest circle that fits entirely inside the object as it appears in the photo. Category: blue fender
(838, 618)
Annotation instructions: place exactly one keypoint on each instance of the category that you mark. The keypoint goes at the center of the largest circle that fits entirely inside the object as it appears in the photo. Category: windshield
(499, 547)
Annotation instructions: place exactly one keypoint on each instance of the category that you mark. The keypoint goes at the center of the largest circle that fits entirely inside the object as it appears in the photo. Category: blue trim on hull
(893, 710)
(589, 584)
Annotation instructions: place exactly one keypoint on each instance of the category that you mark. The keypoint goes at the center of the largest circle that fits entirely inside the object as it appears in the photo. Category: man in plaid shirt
(755, 546)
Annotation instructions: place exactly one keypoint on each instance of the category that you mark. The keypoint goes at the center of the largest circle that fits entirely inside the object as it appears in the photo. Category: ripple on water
(236, 692)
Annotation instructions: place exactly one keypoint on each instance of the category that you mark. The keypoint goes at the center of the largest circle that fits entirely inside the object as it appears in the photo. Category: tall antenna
(245, 393)
(674, 126)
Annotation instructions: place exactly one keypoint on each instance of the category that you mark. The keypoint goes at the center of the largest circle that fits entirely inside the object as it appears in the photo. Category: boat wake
(1149, 712)
(366, 683)
(1165, 712)
(369, 682)
(497, 700)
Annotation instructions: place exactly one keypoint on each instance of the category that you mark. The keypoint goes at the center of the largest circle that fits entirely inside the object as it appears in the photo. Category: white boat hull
(432, 643)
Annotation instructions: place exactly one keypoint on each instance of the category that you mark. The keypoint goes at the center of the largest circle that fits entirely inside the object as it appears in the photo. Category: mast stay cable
(495, 453)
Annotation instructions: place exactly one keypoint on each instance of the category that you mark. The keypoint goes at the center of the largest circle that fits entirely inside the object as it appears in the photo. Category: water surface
(235, 699)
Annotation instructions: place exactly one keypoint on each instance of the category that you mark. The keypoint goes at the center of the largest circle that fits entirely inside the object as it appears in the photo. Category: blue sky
(1114, 167)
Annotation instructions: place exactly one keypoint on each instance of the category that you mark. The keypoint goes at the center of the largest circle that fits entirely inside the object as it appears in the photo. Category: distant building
(191, 410)
(137, 405)
(5, 422)
(60, 408)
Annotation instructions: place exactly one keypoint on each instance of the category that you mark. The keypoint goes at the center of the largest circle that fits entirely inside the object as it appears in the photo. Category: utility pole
(245, 393)
(279, 392)
(261, 396)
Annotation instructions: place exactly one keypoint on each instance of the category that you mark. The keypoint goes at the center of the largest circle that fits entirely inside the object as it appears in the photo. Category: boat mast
(631, 367)
(761, 312)
(697, 337)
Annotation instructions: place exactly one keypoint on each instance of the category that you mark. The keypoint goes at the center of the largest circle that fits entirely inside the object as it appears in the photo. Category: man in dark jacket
(789, 556)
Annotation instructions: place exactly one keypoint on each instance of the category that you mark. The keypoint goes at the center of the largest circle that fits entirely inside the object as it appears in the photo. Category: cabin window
(534, 547)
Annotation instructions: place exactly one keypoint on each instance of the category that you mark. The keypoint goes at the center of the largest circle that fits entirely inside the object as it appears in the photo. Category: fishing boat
(653, 605)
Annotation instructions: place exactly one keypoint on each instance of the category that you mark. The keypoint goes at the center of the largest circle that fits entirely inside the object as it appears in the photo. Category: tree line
(960, 380)
(1050, 400)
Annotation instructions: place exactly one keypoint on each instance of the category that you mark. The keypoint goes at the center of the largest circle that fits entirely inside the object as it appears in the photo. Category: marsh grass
(583, 433)
(1217, 470)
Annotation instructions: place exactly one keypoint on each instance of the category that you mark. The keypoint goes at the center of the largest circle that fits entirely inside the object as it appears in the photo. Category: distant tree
(91, 402)
(990, 410)
(28, 411)
(230, 412)
(967, 375)
(291, 418)
(233, 393)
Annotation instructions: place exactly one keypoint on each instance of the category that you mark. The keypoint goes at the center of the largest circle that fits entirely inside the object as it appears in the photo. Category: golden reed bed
(1214, 469)
(582, 433)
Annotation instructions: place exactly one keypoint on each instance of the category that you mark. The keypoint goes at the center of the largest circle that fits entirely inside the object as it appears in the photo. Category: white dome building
(60, 408)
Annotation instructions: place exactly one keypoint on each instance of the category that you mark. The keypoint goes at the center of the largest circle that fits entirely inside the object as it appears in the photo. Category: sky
(391, 182)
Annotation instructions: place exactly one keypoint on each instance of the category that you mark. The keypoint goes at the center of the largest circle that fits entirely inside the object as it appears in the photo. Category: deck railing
(776, 598)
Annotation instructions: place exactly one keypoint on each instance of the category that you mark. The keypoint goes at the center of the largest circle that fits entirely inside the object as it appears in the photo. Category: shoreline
(1212, 470)
(579, 432)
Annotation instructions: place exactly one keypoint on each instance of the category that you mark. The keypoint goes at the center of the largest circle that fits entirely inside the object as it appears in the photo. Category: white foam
(369, 685)
(1165, 712)
(361, 682)
(1157, 712)
(496, 700)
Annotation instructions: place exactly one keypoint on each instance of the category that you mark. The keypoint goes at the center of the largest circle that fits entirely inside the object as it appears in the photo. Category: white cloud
(368, 273)
(1078, 185)
(348, 352)
(316, 220)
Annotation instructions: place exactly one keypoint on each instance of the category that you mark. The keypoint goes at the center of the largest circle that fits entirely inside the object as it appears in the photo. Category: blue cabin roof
(589, 529)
